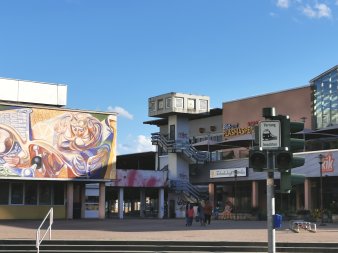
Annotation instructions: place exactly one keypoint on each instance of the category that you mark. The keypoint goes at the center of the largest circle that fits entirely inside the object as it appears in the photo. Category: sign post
(270, 141)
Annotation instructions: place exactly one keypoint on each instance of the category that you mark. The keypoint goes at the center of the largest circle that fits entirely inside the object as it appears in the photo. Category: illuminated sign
(237, 131)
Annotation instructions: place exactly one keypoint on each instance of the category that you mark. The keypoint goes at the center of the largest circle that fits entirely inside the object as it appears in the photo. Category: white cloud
(308, 11)
(139, 144)
(143, 144)
(318, 11)
(323, 11)
(283, 4)
(121, 112)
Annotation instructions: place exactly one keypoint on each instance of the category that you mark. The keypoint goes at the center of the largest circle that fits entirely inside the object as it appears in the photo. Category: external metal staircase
(191, 192)
(172, 146)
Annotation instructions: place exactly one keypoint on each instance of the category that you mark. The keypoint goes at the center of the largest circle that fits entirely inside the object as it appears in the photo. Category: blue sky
(115, 54)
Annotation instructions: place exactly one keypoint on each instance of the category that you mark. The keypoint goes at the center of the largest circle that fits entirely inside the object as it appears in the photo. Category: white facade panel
(62, 95)
(33, 92)
(9, 89)
(39, 93)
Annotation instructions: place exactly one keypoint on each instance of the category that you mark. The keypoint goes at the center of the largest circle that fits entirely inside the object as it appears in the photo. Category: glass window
(168, 102)
(45, 194)
(160, 104)
(31, 193)
(191, 104)
(179, 103)
(17, 193)
(59, 194)
(152, 106)
(203, 104)
(4, 193)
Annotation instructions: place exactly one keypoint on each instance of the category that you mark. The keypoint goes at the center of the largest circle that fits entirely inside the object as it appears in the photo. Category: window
(160, 104)
(203, 104)
(152, 106)
(168, 102)
(31, 193)
(45, 194)
(179, 103)
(191, 104)
(58, 198)
(17, 193)
(4, 192)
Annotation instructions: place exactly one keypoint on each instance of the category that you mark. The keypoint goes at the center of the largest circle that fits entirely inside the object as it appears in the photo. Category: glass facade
(326, 99)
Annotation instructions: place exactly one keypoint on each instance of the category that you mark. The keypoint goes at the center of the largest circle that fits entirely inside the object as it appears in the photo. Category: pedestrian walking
(200, 214)
(207, 212)
(190, 214)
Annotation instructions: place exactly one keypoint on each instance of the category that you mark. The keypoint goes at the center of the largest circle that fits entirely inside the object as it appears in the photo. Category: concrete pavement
(164, 230)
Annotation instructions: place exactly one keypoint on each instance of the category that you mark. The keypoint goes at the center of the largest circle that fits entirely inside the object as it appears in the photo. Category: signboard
(219, 173)
(269, 134)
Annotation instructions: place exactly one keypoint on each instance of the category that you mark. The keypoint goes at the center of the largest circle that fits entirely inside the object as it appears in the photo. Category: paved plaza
(164, 230)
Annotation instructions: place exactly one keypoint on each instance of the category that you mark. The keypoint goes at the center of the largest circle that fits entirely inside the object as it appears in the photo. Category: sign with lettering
(269, 134)
(219, 173)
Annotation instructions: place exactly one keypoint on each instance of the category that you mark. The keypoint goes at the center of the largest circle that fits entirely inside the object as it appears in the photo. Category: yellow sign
(237, 131)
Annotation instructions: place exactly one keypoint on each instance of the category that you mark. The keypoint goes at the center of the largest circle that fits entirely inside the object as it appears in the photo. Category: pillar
(121, 203)
(142, 202)
(70, 200)
(254, 194)
(160, 203)
(102, 200)
(211, 190)
(307, 194)
(83, 200)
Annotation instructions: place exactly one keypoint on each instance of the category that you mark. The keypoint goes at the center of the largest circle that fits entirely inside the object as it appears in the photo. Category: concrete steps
(77, 246)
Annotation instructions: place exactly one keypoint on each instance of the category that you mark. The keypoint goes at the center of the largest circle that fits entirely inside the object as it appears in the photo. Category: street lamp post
(321, 158)
(235, 197)
(303, 120)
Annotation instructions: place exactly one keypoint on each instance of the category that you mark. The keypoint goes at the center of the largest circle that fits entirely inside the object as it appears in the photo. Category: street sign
(269, 134)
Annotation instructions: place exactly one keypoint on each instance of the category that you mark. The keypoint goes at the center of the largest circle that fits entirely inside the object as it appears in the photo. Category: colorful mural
(59, 144)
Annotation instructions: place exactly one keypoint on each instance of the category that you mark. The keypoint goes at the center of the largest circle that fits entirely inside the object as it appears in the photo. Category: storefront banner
(241, 172)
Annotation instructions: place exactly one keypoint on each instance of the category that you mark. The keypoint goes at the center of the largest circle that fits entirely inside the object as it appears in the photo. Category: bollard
(277, 221)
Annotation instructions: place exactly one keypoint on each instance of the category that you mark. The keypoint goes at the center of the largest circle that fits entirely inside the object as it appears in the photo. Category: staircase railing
(187, 188)
(176, 146)
(49, 229)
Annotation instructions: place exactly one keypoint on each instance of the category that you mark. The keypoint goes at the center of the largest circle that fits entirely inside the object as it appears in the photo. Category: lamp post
(321, 159)
(303, 120)
(235, 195)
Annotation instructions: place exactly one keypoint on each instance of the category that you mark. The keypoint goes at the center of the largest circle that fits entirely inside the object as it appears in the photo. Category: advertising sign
(219, 173)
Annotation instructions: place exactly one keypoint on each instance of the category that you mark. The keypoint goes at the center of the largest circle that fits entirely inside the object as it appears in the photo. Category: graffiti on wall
(140, 178)
(59, 144)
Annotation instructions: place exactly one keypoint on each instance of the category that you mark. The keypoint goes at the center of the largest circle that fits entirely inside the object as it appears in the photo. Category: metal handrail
(49, 229)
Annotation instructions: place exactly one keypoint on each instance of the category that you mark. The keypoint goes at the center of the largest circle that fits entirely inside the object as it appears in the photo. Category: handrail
(179, 146)
(38, 240)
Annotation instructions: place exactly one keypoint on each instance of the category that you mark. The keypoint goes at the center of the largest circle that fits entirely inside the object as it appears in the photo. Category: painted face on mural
(78, 132)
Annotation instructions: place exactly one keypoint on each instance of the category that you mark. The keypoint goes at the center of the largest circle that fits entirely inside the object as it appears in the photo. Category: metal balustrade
(49, 229)
(185, 148)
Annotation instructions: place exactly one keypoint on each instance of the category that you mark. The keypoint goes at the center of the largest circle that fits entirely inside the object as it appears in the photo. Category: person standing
(190, 214)
(187, 206)
(207, 212)
(200, 213)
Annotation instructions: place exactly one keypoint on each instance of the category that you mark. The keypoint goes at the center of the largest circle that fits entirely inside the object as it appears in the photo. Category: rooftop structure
(31, 92)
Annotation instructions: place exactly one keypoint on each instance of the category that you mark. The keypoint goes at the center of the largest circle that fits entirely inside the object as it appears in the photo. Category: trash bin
(277, 221)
